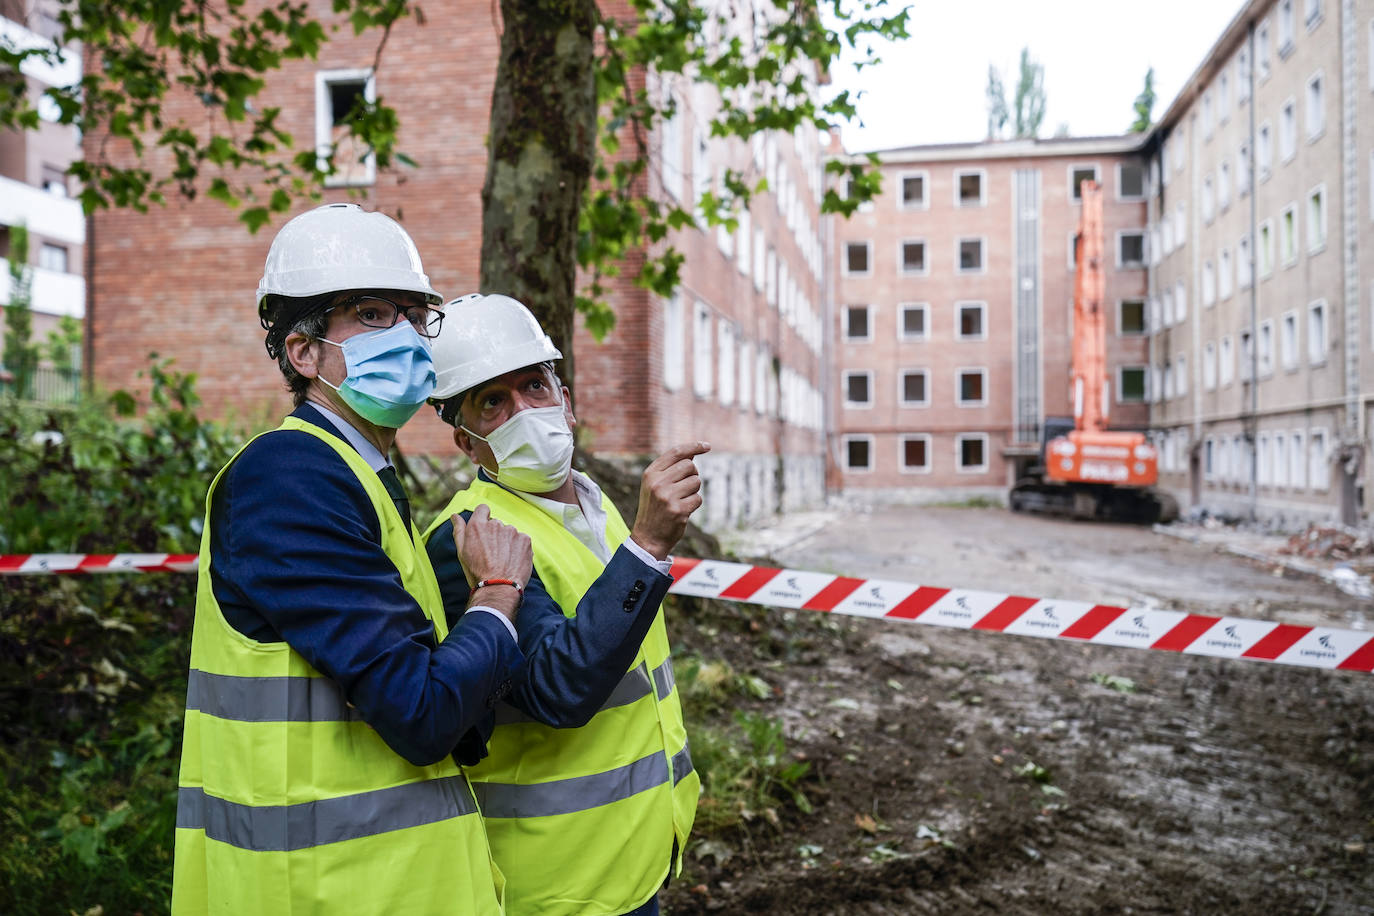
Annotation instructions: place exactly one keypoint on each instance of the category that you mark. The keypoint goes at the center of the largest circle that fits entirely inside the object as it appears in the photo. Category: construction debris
(1328, 543)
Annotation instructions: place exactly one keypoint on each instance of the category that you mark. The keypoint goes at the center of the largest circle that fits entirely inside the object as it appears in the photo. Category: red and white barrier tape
(38, 564)
(961, 609)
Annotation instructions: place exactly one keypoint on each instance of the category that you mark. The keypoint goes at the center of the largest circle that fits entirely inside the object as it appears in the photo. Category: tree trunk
(542, 148)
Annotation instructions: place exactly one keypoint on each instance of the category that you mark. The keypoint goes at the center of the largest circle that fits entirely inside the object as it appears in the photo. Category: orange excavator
(1093, 472)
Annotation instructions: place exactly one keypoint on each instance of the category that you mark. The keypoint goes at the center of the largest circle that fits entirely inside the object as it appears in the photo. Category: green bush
(93, 668)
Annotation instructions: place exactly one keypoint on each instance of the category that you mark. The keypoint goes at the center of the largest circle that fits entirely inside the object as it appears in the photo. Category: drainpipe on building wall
(1195, 313)
(87, 332)
(1352, 447)
(831, 479)
(1252, 415)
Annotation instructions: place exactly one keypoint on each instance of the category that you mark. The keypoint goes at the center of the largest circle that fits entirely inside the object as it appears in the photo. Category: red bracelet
(519, 589)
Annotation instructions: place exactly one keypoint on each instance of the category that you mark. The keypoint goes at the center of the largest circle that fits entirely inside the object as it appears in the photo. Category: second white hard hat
(484, 337)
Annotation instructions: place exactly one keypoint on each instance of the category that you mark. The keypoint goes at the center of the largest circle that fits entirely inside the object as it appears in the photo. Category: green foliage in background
(20, 356)
(93, 668)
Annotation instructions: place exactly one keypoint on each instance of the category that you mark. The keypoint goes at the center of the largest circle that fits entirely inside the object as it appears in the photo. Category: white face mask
(533, 449)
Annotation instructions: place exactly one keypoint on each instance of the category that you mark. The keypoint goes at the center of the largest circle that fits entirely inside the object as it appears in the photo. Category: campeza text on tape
(962, 609)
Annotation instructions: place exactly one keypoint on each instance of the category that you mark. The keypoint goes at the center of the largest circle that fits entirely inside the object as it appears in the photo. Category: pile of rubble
(1320, 542)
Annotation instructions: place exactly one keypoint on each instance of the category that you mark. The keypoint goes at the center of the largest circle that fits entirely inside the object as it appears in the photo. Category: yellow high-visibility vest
(289, 802)
(582, 820)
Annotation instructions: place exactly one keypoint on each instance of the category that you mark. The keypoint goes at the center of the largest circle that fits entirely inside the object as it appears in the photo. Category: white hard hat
(341, 247)
(484, 337)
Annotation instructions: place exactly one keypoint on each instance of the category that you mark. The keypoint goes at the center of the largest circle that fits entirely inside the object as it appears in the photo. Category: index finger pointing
(677, 452)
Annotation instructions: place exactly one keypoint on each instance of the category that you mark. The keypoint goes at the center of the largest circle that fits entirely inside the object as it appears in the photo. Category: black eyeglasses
(376, 312)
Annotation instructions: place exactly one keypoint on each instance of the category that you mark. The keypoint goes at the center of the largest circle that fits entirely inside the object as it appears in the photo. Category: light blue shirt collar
(369, 452)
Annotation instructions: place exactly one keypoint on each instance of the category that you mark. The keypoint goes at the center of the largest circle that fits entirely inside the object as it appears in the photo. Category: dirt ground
(959, 772)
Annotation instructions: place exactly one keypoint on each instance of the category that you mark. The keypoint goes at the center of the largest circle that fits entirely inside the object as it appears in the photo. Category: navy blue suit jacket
(296, 556)
(572, 663)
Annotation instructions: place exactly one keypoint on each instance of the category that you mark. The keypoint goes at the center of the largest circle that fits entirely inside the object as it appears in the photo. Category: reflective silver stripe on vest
(578, 793)
(682, 764)
(634, 686)
(268, 699)
(282, 828)
(664, 679)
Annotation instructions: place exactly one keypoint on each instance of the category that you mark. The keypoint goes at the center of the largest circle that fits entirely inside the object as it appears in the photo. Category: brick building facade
(954, 305)
(734, 358)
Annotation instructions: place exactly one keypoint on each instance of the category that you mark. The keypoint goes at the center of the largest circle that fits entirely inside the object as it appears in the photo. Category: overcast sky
(931, 88)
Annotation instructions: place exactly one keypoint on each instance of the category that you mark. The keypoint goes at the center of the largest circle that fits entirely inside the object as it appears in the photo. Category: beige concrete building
(1259, 221)
(34, 190)
(953, 312)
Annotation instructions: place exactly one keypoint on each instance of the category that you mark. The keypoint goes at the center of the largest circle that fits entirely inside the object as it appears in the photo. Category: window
(1077, 175)
(1262, 51)
(915, 454)
(1316, 333)
(1226, 361)
(1131, 317)
(339, 95)
(1156, 319)
(1130, 248)
(1130, 386)
(1285, 28)
(915, 390)
(54, 180)
(1297, 460)
(914, 190)
(1312, 13)
(701, 351)
(1288, 340)
(856, 323)
(858, 388)
(1224, 186)
(972, 387)
(913, 321)
(1317, 473)
(1316, 108)
(914, 257)
(1180, 223)
(1207, 115)
(1244, 269)
(1209, 199)
(1130, 181)
(1181, 376)
(1225, 274)
(760, 266)
(1288, 130)
(1166, 301)
(968, 189)
(1224, 95)
(971, 325)
(1266, 248)
(1247, 356)
(1266, 348)
(1209, 283)
(52, 257)
(770, 276)
(971, 450)
(746, 373)
(1264, 151)
(1209, 366)
(725, 337)
(1242, 75)
(1243, 170)
(858, 453)
(744, 233)
(1316, 219)
(1288, 235)
(970, 256)
(1180, 302)
(855, 258)
(674, 343)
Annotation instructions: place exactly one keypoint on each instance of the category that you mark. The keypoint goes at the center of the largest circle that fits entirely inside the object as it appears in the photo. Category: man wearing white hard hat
(327, 690)
(588, 790)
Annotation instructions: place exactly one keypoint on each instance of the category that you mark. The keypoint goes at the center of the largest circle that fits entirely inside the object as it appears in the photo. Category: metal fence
(48, 386)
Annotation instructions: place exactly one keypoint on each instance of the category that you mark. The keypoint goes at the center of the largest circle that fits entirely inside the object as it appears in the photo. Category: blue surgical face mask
(390, 374)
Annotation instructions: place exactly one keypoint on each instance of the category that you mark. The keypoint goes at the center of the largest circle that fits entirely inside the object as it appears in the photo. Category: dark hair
(449, 408)
(283, 316)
